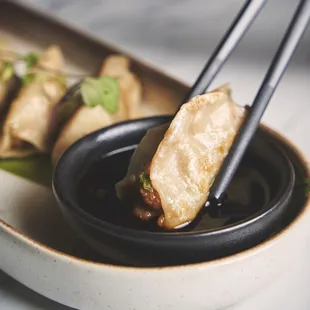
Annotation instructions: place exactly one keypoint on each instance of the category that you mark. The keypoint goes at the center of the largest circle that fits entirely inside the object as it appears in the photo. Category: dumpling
(173, 183)
(130, 87)
(84, 121)
(89, 119)
(8, 86)
(25, 129)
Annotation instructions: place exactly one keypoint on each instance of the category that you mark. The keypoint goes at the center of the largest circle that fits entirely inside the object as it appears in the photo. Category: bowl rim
(130, 234)
(255, 250)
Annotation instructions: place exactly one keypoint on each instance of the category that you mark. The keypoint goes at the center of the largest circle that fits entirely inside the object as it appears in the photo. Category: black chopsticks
(235, 33)
(279, 63)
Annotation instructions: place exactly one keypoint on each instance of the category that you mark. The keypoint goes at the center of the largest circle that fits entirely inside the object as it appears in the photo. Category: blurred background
(178, 36)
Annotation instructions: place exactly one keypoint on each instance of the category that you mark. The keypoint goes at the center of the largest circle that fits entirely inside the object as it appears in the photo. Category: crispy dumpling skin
(187, 159)
(25, 129)
(191, 153)
(89, 119)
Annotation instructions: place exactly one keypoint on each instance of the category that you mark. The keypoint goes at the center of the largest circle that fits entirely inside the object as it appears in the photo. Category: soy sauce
(247, 194)
(97, 194)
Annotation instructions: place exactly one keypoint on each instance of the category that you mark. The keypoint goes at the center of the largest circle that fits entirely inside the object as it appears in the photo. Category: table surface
(178, 36)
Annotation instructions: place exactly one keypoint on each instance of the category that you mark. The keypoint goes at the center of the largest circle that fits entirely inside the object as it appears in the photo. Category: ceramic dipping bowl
(260, 200)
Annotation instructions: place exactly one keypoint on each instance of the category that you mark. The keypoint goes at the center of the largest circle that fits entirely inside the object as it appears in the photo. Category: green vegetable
(8, 68)
(7, 71)
(145, 181)
(102, 91)
(35, 168)
(28, 78)
(31, 59)
(307, 183)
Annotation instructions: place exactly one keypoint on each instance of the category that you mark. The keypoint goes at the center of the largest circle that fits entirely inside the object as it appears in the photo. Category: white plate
(275, 275)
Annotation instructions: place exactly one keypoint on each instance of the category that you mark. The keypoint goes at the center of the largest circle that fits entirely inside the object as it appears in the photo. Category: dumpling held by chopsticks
(171, 171)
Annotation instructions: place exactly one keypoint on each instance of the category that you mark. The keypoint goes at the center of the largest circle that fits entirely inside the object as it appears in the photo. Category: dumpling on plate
(89, 119)
(9, 83)
(173, 168)
(130, 98)
(25, 128)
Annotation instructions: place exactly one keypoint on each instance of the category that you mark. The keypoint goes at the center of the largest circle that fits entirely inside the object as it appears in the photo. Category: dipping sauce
(248, 193)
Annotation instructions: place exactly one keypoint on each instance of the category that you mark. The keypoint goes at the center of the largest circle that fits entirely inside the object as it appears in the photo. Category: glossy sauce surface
(248, 193)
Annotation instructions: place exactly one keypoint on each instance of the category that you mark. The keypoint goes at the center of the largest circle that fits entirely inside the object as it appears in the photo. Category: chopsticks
(274, 74)
(276, 70)
(235, 33)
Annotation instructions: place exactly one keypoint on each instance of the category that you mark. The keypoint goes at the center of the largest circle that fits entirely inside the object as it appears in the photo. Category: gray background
(178, 36)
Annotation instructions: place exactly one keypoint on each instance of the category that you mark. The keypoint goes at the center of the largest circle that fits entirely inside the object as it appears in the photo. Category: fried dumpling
(130, 87)
(9, 86)
(89, 119)
(174, 181)
(84, 121)
(25, 129)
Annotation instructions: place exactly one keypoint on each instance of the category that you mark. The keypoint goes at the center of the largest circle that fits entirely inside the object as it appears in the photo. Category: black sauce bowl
(124, 240)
